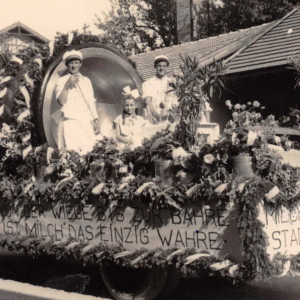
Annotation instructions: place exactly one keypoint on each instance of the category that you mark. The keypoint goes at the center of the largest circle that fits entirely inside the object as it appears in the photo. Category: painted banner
(283, 230)
(211, 228)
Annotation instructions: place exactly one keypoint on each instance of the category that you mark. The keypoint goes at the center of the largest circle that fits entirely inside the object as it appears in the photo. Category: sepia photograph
(150, 149)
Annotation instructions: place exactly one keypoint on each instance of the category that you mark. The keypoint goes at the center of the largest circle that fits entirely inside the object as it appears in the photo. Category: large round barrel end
(109, 72)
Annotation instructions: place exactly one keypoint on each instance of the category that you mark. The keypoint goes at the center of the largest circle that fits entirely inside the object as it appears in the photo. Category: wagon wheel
(174, 276)
(128, 283)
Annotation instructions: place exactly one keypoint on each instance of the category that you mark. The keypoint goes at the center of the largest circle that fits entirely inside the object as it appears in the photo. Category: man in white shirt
(79, 122)
(155, 89)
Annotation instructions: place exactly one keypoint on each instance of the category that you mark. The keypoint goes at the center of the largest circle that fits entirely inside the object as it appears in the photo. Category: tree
(205, 17)
(214, 17)
(139, 25)
(5, 52)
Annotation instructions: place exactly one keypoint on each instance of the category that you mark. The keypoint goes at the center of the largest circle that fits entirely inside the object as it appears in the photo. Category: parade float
(145, 217)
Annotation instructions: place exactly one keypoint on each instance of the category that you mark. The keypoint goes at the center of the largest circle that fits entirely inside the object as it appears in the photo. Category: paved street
(12, 290)
(19, 268)
(277, 289)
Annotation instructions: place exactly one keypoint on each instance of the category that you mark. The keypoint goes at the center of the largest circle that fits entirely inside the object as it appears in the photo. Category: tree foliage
(214, 17)
(5, 52)
(138, 25)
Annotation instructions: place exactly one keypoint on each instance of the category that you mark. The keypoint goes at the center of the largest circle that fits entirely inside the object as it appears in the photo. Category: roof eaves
(234, 46)
(200, 41)
(44, 39)
(34, 32)
(254, 68)
(9, 27)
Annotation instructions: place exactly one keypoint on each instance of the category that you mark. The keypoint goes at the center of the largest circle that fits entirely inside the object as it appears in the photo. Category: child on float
(129, 126)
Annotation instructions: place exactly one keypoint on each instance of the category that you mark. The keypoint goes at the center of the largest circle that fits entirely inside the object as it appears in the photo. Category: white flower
(243, 107)
(179, 152)
(241, 187)
(10, 145)
(251, 116)
(251, 138)
(237, 106)
(233, 138)
(257, 115)
(6, 128)
(228, 103)
(235, 114)
(231, 123)
(118, 163)
(127, 178)
(277, 139)
(256, 104)
(123, 170)
(249, 103)
(208, 158)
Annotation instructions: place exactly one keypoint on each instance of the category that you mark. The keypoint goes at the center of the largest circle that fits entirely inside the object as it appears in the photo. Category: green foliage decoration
(194, 87)
(67, 179)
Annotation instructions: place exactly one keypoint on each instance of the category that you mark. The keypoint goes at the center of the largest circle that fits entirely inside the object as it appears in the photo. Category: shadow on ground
(73, 277)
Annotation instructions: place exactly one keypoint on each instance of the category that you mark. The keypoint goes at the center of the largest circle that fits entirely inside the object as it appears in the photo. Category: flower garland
(235, 190)
(187, 261)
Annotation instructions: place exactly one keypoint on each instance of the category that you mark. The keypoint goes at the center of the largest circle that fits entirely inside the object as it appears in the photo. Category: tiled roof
(200, 49)
(280, 42)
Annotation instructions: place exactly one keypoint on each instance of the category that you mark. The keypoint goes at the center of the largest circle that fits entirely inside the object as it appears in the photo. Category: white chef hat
(160, 58)
(71, 55)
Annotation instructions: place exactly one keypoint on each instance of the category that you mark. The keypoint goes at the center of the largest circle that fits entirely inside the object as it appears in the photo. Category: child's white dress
(131, 126)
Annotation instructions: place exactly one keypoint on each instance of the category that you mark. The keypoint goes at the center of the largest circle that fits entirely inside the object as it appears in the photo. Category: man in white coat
(78, 124)
(155, 90)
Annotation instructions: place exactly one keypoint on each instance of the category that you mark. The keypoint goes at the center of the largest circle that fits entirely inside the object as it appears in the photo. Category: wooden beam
(19, 45)
(257, 72)
(22, 34)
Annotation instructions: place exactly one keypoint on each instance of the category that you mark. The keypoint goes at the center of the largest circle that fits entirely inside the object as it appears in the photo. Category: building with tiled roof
(259, 71)
(256, 58)
(271, 49)
(204, 49)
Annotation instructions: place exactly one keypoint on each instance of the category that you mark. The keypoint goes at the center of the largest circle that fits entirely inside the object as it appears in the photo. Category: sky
(49, 16)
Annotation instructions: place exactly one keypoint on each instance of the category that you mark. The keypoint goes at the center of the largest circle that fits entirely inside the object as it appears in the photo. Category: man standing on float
(78, 124)
(155, 90)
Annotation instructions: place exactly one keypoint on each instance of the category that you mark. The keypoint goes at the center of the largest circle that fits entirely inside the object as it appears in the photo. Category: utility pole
(208, 18)
(184, 13)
